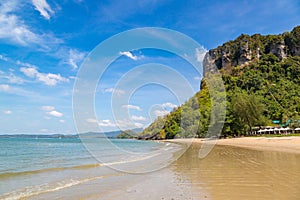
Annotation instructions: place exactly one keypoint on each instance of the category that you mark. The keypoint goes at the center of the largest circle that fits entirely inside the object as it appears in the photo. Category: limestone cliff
(246, 49)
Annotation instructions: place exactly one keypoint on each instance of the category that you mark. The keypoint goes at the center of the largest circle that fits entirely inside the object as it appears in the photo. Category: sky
(44, 43)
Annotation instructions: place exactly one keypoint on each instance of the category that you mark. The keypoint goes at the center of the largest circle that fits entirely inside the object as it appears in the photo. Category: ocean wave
(32, 172)
(45, 188)
(7, 175)
(55, 186)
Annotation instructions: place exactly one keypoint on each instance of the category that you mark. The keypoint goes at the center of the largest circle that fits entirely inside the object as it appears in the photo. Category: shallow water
(237, 173)
(53, 168)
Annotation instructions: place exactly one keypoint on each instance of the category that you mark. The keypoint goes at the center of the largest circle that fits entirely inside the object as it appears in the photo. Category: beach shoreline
(251, 163)
(242, 168)
(287, 144)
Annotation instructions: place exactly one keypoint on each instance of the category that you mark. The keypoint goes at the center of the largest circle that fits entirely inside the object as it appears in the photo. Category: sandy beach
(283, 144)
(244, 168)
(239, 168)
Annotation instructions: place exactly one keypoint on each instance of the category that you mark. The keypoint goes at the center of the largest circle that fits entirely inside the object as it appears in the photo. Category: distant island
(262, 80)
(110, 134)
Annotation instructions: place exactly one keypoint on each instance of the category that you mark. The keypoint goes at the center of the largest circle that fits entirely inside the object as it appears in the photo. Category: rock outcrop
(246, 49)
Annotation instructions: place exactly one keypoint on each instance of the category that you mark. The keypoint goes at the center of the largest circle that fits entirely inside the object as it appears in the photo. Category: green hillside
(261, 75)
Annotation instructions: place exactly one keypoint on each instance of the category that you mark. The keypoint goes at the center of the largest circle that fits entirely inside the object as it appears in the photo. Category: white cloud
(75, 58)
(127, 124)
(133, 107)
(24, 64)
(200, 53)
(55, 113)
(4, 58)
(164, 109)
(113, 90)
(197, 78)
(48, 108)
(160, 112)
(138, 125)
(138, 118)
(52, 112)
(168, 105)
(48, 79)
(106, 123)
(14, 79)
(51, 79)
(13, 29)
(102, 123)
(62, 121)
(4, 87)
(43, 7)
(7, 112)
(129, 55)
(121, 124)
(30, 71)
(90, 120)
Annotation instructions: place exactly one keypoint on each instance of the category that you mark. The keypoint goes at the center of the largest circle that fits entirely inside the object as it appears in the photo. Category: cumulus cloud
(4, 87)
(120, 124)
(4, 58)
(90, 120)
(75, 58)
(48, 79)
(30, 71)
(168, 105)
(160, 112)
(127, 124)
(55, 113)
(43, 7)
(14, 79)
(14, 29)
(101, 123)
(200, 53)
(138, 118)
(113, 90)
(106, 123)
(7, 112)
(133, 107)
(138, 125)
(129, 55)
(50, 110)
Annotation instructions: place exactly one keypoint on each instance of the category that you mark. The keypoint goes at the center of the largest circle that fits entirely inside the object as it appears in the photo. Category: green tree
(248, 109)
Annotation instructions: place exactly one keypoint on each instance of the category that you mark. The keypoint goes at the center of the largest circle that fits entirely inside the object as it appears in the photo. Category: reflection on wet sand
(238, 173)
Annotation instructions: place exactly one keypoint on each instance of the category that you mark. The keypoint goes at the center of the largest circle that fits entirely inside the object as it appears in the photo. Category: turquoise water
(33, 166)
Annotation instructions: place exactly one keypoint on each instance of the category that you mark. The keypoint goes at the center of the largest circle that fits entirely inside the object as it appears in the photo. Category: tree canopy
(264, 89)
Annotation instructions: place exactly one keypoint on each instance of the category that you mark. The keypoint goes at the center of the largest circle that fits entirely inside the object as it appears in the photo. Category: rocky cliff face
(246, 49)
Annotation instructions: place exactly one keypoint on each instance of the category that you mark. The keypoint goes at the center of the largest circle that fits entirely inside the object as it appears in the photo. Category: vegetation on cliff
(261, 75)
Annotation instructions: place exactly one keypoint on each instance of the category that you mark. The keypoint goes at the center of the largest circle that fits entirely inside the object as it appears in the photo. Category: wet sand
(244, 168)
(235, 169)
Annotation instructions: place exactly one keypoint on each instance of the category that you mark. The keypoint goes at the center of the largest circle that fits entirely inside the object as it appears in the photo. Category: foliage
(127, 134)
(265, 89)
(247, 109)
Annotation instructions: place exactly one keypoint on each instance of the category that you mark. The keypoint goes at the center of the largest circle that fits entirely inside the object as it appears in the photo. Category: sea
(62, 168)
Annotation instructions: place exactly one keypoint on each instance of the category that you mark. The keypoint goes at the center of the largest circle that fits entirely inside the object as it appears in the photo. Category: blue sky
(44, 42)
